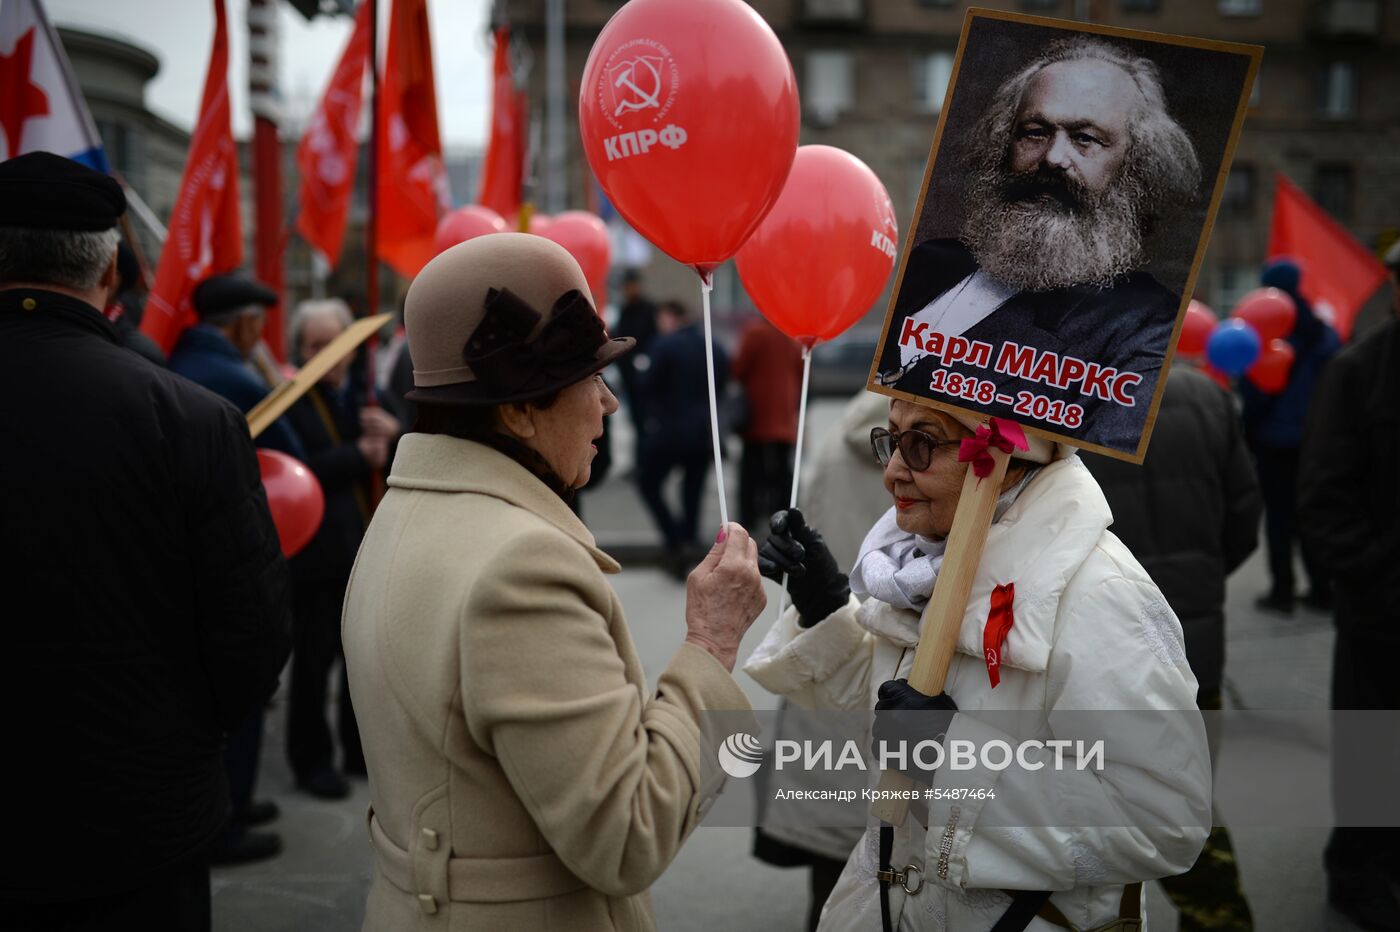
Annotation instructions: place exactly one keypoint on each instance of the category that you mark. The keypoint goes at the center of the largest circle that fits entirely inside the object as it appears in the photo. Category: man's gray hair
(1160, 161)
(306, 310)
(67, 258)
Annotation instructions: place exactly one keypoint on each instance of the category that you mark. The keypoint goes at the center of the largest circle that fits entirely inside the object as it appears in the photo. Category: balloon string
(797, 458)
(705, 288)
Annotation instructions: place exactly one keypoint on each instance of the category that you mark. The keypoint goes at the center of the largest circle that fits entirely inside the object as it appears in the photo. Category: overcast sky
(180, 32)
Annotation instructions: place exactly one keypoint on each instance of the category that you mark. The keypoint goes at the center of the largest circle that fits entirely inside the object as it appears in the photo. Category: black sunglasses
(915, 446)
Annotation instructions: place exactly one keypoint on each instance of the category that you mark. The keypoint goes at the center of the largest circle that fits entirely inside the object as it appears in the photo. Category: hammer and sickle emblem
(646, 69)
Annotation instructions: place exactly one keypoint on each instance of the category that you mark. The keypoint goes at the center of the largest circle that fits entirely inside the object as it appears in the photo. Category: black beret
(219, 294)
(43, 191)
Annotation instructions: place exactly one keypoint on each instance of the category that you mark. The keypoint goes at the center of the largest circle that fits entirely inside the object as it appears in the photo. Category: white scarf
(899, 568)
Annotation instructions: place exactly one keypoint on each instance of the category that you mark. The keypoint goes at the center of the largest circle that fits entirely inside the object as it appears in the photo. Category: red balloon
(1269, 311)
(539, 223)
(466, 223)
(294, 498)
(825, 250)
(585, 236)
(1270, 373)
(1196, 330)
(689, 117)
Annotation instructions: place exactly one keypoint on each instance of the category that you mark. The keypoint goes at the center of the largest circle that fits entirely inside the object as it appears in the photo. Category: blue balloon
(1233, 347)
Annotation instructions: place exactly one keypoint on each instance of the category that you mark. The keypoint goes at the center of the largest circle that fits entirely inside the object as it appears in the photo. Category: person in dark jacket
(676, 433)
(145, 588)
(214, 353)
(636, 319)
(128, 306)
(1274, 429)
(768, 365)
(1190, 515)
(345, 444)
(1349, 516)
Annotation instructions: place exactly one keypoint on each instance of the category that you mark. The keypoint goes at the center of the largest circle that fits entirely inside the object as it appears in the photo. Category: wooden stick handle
(938, 638)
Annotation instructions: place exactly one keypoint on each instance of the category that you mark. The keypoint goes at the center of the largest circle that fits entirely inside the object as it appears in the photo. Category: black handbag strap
(1025, 905)
(886, 853)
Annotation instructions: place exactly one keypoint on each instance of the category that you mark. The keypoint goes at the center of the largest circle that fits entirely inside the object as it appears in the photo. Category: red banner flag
(1339, 274)
(412, 180)
(328, 152)
(503, 169)
(206, 236)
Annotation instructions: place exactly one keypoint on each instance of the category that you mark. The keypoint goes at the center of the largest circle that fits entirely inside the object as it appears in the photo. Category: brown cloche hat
(500, 318)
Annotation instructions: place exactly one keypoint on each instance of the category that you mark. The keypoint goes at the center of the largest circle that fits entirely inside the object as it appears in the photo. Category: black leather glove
(903, 714)
(815, 583)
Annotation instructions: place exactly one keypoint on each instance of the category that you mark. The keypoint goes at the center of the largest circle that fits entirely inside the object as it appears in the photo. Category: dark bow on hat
(510, 367)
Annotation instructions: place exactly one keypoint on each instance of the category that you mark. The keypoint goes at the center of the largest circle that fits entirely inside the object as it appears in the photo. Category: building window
(1332, 189)
(1336, 97)
(830, 84)
(932, 72)
(1241, 7)
(1141, 6)
(1238, 197)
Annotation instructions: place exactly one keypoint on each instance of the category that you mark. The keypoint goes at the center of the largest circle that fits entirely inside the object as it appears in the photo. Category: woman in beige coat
(522, 775)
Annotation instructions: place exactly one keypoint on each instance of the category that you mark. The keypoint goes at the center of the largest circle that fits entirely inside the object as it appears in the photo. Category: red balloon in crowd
(689, 117)
(1196, 330)
(1270, 373)
(585, 236)
(539, 223)
(466, 223)
(294, 497)
(826, 249)
(1269, 311)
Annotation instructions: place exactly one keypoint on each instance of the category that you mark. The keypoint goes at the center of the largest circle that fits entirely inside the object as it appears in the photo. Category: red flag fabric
(503, 169)
(327, 154)
(205, 236)
(412, 184)
(1338, 272)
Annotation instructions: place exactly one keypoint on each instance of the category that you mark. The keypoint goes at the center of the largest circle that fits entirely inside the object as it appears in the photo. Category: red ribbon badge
(1006, 436)
(999, 622)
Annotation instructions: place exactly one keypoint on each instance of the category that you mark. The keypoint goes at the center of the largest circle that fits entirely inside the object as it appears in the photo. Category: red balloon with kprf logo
(823, 254)
(689, 117)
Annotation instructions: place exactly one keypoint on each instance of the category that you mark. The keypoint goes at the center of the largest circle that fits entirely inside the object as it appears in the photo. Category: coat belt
(479, 880)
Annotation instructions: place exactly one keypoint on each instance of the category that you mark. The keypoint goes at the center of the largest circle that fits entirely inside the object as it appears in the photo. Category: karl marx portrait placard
(1066, 208)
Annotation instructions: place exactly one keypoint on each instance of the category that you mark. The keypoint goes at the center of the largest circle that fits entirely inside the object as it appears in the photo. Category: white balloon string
(714, 405)
(797, 457)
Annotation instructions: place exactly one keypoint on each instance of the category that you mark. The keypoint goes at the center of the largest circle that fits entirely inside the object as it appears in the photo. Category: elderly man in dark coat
(145, 590)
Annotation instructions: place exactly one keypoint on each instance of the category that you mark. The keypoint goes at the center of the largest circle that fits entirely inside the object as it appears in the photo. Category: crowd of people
(456, 612)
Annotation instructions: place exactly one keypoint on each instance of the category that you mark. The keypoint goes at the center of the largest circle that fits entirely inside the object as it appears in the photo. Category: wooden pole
(938, 638)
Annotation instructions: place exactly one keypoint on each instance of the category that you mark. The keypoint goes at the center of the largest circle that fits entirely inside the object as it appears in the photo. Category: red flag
(206, 237)
(1338, 272)
(503, 169)
(412, 181)
(327, 155)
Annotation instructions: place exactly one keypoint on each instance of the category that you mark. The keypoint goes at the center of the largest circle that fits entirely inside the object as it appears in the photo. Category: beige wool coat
(522, 775)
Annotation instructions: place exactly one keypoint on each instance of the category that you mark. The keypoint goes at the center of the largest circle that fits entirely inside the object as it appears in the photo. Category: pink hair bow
(1006, 436)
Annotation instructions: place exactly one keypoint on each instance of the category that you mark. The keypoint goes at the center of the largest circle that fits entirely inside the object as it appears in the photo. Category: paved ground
(318, 884)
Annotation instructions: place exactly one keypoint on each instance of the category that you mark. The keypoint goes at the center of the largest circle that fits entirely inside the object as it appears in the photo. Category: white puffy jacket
(1091, 632)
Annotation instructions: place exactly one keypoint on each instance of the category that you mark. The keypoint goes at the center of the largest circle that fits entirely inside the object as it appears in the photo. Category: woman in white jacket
(1090, 632)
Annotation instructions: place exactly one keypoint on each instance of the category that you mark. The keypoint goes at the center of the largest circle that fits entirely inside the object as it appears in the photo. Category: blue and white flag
(41, 107)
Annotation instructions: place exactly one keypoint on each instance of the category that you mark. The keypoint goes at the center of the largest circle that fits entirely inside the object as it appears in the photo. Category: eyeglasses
(915, 446)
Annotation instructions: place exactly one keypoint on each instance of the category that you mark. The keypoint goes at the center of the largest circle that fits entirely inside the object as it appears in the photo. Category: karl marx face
(1073, 161)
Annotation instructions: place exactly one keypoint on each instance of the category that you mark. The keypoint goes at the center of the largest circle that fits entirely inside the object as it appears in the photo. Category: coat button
(430, 839)
(428, 903)
(29, 304)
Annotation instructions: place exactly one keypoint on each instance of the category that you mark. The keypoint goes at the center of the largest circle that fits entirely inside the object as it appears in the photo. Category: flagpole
(267, 161)
(372, 183)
